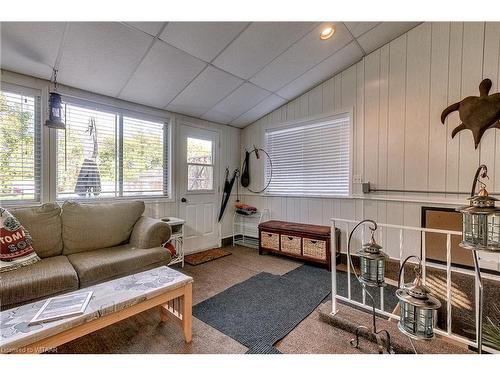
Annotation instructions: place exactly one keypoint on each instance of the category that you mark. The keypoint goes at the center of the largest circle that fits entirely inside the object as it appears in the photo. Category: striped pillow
(16, 248)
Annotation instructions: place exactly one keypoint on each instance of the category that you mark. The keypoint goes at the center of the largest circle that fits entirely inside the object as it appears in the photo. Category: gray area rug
(262, 310)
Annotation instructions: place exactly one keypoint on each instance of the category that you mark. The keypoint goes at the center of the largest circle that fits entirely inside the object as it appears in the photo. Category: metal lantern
(418, 308)
(372, 263)
(481, 219)
(481, 232)
(55, 120)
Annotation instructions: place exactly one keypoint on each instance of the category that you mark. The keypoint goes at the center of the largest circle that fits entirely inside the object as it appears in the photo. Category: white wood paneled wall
(398, 93)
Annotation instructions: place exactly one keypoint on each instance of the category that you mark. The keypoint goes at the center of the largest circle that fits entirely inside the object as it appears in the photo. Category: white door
(198, 175)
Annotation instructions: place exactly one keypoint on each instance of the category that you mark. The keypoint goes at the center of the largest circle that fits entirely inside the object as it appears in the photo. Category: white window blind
(87, 154)
(310, 159)
(20, 144)
(144, 153)
(104, 153)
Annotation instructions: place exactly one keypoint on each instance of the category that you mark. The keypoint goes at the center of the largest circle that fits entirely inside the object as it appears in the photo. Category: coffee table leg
(163, 313)
(187, 310)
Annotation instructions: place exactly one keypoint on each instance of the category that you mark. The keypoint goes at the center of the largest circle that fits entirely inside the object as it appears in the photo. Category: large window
(310, 159)
(20, 138)
(106, 153)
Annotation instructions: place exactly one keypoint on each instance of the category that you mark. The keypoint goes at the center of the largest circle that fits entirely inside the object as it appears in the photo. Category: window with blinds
(20, 144)
(144, 156)
(311, 159)
(104, 153)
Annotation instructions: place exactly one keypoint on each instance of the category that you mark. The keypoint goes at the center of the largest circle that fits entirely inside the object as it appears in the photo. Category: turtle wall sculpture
(477, 113)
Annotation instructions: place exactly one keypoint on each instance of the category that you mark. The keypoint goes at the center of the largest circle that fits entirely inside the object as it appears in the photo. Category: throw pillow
(170, 248)
(16, 248)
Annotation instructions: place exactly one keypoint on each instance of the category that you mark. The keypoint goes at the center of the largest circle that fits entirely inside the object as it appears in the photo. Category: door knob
(183, 200)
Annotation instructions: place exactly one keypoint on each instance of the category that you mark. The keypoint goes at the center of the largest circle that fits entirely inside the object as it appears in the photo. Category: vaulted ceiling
(227, 72)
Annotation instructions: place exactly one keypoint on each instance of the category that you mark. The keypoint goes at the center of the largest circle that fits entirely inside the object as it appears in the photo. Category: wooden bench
(307, 242)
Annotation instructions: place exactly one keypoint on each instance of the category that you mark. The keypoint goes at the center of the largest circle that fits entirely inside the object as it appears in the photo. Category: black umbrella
(228, 186)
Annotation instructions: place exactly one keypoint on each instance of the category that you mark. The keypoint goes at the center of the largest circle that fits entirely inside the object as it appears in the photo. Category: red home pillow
(16, 248)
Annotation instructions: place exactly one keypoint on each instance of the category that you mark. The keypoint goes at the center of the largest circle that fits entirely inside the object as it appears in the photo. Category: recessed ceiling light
(327, 33)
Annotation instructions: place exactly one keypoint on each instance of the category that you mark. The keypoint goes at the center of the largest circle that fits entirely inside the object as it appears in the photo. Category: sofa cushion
(45, 278)
(104, 264)
(91, 226)
(44, 225)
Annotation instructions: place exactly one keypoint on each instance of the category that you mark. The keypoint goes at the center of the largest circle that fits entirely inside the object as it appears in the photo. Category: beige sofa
(82, 244)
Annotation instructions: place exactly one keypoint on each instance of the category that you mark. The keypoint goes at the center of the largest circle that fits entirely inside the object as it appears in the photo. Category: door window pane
(199, 151)
(200, 164)
(200, 177)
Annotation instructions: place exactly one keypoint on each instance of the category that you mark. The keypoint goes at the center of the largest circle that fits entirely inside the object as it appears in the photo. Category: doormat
(263, 309)
(205, 256)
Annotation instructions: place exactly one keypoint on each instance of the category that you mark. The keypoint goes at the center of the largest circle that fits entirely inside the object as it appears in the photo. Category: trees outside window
(19, 147)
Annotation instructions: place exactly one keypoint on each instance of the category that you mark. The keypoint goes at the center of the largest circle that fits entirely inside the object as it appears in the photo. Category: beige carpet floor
(145, 333)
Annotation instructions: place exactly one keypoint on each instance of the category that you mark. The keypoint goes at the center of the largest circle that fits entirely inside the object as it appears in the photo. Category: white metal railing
(345, 227)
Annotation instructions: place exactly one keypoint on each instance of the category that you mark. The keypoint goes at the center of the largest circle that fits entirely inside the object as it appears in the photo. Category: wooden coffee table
(111, 302)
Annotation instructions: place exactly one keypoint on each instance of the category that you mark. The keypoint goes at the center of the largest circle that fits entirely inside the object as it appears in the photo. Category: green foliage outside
(142, 155)
(16, 148)
(70, 156)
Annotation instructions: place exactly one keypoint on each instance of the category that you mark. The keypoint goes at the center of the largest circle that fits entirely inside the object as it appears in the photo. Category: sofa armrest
(149, 232)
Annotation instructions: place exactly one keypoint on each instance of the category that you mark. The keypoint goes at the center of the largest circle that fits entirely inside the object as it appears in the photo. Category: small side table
(177, 238)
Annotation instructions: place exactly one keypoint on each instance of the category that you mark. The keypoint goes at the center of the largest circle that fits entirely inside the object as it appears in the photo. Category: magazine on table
(66, 306)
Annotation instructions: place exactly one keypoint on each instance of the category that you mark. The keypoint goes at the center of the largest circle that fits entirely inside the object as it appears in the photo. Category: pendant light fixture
(55, 120)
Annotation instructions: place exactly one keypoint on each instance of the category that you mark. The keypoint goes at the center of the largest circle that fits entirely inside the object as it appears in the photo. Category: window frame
(38, 140)
(121, 112)
(310, 120)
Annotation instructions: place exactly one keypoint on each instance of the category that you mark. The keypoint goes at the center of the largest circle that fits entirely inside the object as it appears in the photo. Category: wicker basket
(314, 248)
(270, 240)
(290, 244)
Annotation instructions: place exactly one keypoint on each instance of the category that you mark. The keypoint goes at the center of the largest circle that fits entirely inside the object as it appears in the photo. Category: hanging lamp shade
(372, 263)
(418, 310)
(55, 112)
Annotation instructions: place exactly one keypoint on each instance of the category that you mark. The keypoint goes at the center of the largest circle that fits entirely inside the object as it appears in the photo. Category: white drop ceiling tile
(383, 33)
(163, 73)
(258, 45)
(241, 100)
(152, 28)
(215, 116)
(204, 92)
(269, 104)
(101, 56)
(359, 28)
(202, 39)
(301, 57)
(30, 47)
(339, 61)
